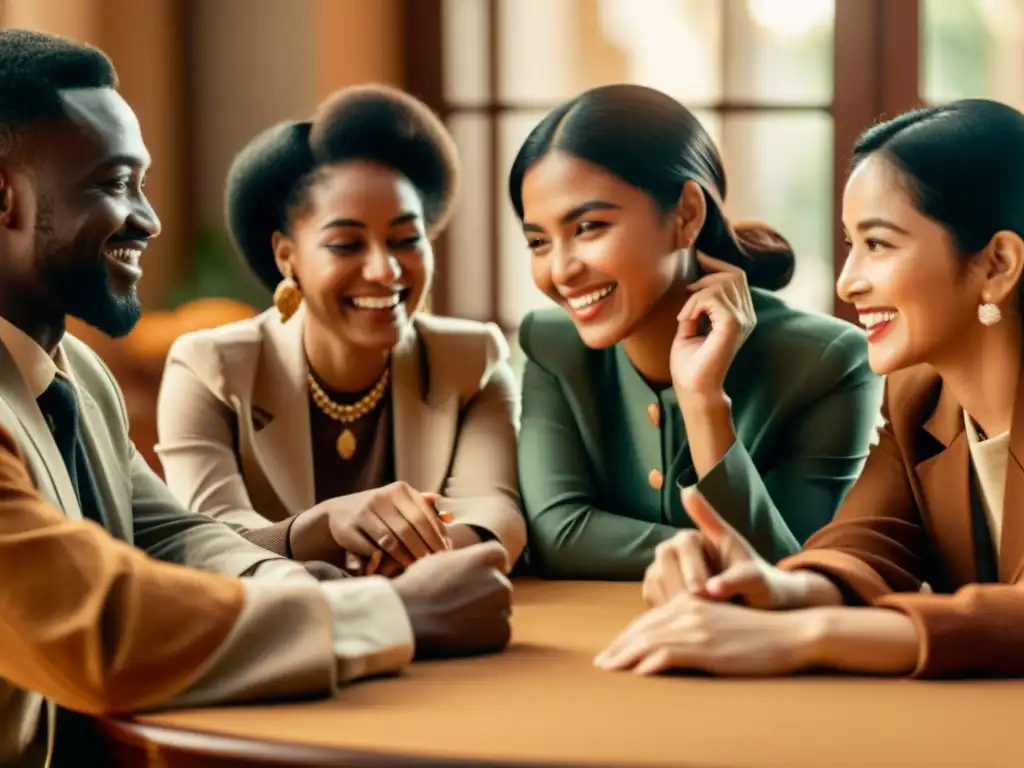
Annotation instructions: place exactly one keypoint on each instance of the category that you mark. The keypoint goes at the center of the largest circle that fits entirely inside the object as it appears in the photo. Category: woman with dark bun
(343, 424)
(922, 571)
(668, 362)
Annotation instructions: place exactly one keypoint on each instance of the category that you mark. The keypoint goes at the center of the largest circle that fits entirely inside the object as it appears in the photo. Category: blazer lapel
(1011, 548)
(946, 485)
(14, 390)
(426, 415)
(283, 446)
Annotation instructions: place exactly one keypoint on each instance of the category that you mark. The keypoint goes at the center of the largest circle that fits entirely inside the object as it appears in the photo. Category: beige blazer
(234, 423)
(280, 633)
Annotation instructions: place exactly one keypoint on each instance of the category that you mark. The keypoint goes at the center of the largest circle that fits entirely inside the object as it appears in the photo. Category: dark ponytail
(762, 253)
(654, 143)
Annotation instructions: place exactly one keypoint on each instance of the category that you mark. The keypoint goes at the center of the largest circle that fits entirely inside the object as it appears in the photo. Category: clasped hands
(693, 585)
(458, 602)
(382, 531)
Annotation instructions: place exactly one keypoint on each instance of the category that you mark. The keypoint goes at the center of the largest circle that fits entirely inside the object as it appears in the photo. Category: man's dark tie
(60, 407)
(77, 742)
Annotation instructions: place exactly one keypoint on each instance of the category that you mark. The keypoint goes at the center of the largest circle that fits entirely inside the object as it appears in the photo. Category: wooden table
(542, 703)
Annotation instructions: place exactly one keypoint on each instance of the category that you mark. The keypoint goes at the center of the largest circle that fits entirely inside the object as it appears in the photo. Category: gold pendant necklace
(346, 444)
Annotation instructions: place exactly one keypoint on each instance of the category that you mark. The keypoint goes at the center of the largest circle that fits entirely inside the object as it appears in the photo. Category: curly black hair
(34, 69)
(269, 180)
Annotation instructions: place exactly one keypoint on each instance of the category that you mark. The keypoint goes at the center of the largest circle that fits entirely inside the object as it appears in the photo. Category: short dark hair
(654, 143)
(34, 69)
(269, 180)
(962, 164)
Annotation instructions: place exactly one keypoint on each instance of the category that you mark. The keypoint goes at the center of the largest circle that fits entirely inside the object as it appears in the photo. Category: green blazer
(805, 406)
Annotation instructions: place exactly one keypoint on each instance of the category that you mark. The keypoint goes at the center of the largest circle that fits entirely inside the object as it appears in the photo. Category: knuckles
(682, 542)
(392, 491)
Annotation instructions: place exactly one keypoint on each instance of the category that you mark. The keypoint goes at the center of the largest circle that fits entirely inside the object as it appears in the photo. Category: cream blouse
(988, 462)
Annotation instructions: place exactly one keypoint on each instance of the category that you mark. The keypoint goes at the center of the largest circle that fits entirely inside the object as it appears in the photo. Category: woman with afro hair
(344, 424)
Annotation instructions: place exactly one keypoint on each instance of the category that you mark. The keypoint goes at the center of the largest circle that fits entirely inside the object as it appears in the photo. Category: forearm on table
(846, 574)
(281, 645)
(813, 590)
(298, 637)
(876, 641)
(592, 543)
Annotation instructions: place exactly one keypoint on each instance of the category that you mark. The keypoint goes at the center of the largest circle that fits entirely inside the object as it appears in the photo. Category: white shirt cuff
(372, 631)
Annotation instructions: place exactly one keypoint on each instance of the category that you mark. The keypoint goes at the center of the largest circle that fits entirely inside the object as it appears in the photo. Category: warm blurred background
(784, 86)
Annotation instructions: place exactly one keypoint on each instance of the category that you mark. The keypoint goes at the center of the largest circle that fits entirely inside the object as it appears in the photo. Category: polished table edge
(160, 742)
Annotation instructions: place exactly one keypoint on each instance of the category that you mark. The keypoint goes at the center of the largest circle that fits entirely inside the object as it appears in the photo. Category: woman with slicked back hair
(922, 571)
(668, 362)
(344, 424)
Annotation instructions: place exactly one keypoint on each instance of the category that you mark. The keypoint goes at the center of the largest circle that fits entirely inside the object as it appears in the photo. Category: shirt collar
(973, 438)
(37, 368)
(635, 387)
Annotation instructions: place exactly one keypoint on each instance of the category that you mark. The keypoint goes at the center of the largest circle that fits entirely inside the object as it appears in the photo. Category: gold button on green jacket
(600, 479)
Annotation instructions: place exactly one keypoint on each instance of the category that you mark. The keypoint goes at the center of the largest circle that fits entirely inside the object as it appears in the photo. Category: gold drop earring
(287, 295)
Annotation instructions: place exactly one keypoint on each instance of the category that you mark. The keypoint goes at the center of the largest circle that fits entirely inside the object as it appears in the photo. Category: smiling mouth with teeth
(588, 305)
(129, 256)
(376, 302)
(876, 323)
(873, 319)
(582, 302)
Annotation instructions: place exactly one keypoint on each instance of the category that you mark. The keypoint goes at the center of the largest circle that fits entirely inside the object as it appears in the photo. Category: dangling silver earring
(989, 314)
